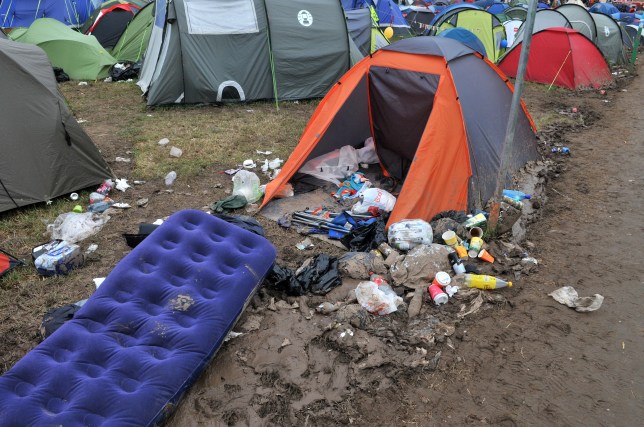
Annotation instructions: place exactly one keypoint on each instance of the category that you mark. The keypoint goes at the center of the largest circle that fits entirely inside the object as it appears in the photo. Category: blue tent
(389, 14)
(606, 9)
(497, 7)
(21, 13)
(466, 37)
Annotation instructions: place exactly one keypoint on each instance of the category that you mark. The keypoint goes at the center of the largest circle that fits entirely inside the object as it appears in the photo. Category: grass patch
(551, 118)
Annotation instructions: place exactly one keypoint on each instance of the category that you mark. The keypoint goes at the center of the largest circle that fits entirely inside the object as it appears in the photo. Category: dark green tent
(45, 152)
(134, 40)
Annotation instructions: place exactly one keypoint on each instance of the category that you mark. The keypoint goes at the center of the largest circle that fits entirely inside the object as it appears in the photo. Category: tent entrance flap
(401, 102)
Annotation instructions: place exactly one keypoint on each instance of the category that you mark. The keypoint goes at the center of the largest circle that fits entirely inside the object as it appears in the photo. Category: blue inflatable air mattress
(146, 334)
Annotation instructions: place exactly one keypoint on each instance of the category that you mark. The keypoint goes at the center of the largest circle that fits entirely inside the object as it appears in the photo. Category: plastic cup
(475, 232)
(461, 251)
(442, 279)
(485, 256)
(476, 244)
(438, 296)
(450, 238)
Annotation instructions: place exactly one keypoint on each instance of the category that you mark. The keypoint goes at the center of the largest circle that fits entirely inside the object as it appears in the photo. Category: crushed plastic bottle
(170, 178)
(516, 195)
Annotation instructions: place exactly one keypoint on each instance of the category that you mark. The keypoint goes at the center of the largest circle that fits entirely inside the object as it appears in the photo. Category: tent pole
(506, 150)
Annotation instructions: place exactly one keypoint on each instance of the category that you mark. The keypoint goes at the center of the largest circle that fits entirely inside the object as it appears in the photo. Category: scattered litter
(121, 205)
(560, 150)
(98, 281)
(74, 227)
(374, 201)
(73, 197)
(55, 318)
(230, 202)
(81, 121)
(266, 153)
(232, 335)
(346, 332)
(275, 163)
(78, 209)
(480, 281)
(409, 233)
(327, 308)
(568, 296)
(317, 275)
(285, 343)
(305, 244)
(249, 164)
(380, 300)
(158, 222)
(163, 141)
(91, 249)
(246, 183)
(169, 178)
(232, 171)
(122, 185)
(142, 202)
(122, 160)
(176, 152)
(82, 83)
(138, 182)
(451, 290)
(57, 257)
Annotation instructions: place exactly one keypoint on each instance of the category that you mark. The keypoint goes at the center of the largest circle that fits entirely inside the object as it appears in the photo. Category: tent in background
(483, 25)
(80, 56)
(45, 152)
(466, 37)
(108, 21)
(609, 38)
(580, 19)
(22, 13)
(244, 50)
(134, 41)
(545, 18)
(443, 145)
(561, 57)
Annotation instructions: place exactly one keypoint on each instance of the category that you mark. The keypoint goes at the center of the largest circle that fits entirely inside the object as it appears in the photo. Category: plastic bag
(373, 200)
(246, 183)
(366, 236)
(74, 227)
(317, 275)
(368, 154)
(409, 233)
(376, 299)
(334, 166)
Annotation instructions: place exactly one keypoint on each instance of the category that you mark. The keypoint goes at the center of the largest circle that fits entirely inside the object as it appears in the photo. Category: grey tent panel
(609, 39)
(544, 18)
(485, 136)
(401, 103)
(350, 126)
(447, 48)
(580, 19)
(218, 50)
(46, 153)
(359, 27)
(310, 46)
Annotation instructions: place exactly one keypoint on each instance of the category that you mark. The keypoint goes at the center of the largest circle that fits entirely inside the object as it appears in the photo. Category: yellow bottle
(481, 281)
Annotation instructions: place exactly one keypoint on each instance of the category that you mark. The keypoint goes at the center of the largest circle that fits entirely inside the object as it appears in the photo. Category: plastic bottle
(96, 197)
(106, 187)
(516, 195)
(170, 177)
(456, 263)
(512, 202)
(481, 281)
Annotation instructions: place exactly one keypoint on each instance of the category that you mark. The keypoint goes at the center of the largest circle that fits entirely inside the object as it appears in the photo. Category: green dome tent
(134, 40)
(80, 56)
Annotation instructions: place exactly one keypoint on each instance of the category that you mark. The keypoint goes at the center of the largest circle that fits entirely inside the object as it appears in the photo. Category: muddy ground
(520, 359)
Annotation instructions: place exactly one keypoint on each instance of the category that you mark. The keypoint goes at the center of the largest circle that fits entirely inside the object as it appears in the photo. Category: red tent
(563, 57)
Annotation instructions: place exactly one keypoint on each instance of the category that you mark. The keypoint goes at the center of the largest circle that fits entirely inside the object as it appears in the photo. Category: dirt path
(541, 363)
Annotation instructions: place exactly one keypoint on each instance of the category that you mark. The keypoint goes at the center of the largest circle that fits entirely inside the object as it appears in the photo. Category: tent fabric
(631, 31)
(80, 56)
(279, 49)
(546, 18)
(609, 39)
(359, 27)
(387, 11)
(135, 38)
(511, 29)
(108, 22)
(52, 156)
(22, 13)
(448, 11)
(580, 19)
(8, 262)
(483, 25)
(449, 145)
(604, 8)
(498, 7)
(561, 57)
(517, 12)
(466, 37)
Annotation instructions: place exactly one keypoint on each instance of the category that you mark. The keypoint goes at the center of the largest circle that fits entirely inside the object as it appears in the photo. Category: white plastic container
(409, 233)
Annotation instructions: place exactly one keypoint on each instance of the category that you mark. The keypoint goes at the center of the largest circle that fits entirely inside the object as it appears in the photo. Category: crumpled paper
(568, 296)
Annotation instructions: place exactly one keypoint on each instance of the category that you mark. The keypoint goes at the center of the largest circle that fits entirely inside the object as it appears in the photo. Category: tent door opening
(400, 103)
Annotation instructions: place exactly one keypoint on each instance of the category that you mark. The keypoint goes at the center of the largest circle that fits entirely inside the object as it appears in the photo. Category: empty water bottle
(170, 177)
(516, 195)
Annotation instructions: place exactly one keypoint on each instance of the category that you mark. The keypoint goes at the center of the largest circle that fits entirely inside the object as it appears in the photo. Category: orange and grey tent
(438, 113)
(8, 262)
